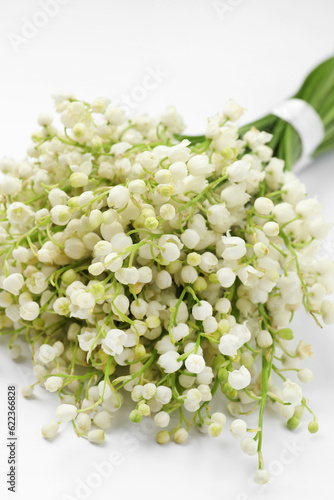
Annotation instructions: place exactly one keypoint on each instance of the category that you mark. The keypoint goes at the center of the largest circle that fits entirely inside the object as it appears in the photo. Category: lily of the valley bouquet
(137, 260)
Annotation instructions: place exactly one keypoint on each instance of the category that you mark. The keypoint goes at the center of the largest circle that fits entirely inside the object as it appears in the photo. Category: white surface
(257, 53)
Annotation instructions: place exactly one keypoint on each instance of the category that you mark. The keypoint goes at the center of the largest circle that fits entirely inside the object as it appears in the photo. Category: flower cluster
(134, 259)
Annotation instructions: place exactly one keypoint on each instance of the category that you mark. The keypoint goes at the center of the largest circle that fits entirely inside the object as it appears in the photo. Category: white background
(255, 51)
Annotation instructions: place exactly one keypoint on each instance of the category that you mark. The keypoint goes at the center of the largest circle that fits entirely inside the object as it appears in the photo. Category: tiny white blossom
(239, 379)
(168, 361)
(226, 277)
(261, 476)
(248, 446)
(13, 283)
(162, 419)
(232, 110)
(114, 341)
(292, 393)
(46, 353)
(49, 430)
(66, 412)
(29, 311)
(238, 428)
(202, 310)
(195, 363)
(239, 171)
(52, 384)
(163, 394)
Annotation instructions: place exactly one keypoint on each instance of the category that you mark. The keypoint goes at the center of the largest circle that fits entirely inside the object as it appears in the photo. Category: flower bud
(153, 321)
(95, 218)
(53, 384)
(180, 436)
(305, 375)
(313, 426)
(144, 409)
(238, 428)
(163, 279)
(60, 215)
(78, 179)
(83, 422)
(224, 326)
(228, 153)
(137, 186)
(190, 238)
(264, 339)
(170, 252)
(223, 305)
(162, 419)
(285, 333)
(261, 476)
(219, 418)
(169, 361)
(239, 171)
(73, 202)
(260, 249)
(149, 391)
(102, 419)
(46, 353)
(223, 374)
(263, 205)
(202, 310)
(49, 430)
(96, 436)
(225, 277)
(140, 351)
(200, 284)
(96, 269)
(66, 412)
(163, 394)
(167, 211)
(151, 223)
(199, 165)
(248, 446)
(166, 190)
(163, 437)
(214, 429)
(193, 259)
(271, 229)
(293, 422)
(27, 391)
(195, 363)
(135, 416)
(69, 276)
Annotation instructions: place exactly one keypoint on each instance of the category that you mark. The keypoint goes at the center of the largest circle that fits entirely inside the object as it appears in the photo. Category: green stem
(266, 369)
(318, 91)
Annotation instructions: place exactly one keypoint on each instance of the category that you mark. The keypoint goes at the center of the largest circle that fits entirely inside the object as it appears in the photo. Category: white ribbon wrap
(306, 121)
